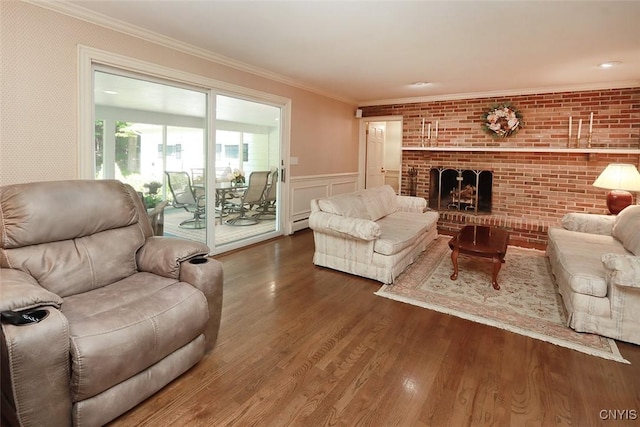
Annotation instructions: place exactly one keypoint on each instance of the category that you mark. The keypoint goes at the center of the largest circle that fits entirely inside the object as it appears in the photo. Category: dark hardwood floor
(307, 346)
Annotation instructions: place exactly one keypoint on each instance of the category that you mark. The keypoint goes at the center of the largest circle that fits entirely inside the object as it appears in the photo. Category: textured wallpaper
(38, 73)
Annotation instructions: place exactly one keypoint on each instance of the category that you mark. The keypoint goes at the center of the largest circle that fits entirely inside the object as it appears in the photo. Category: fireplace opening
(465, 190)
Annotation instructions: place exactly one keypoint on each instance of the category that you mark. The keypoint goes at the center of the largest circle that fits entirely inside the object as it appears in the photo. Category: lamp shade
(619, 176)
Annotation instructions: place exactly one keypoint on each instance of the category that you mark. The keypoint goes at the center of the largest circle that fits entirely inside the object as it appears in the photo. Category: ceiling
(129, 93)
(369, 52)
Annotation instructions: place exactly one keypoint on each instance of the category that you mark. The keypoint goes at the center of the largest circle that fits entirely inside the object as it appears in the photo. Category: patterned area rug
(528, 302)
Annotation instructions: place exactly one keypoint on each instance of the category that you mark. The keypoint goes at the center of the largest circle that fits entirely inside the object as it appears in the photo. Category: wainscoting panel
(303, 189)
(392, 178)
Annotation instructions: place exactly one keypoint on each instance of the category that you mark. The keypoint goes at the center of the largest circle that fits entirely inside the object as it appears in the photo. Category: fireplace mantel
(526, 149)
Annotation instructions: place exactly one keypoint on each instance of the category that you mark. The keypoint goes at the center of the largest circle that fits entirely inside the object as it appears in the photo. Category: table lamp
(620, 178)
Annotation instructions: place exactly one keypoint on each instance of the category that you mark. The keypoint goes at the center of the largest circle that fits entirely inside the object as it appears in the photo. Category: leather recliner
(125, 312)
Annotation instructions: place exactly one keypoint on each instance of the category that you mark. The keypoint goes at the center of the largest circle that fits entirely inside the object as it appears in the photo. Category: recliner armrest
(20, 291)
(34, 357)
(163, 255)
(206, 274)
(36, 376)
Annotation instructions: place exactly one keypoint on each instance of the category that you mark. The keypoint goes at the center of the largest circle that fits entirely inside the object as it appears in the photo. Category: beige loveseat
(596, 262)
(126, 311)
(372, 233)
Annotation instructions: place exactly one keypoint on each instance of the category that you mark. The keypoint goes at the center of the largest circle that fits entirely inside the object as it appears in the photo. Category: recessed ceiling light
(609, 64)
(110, 92)
(420, 84)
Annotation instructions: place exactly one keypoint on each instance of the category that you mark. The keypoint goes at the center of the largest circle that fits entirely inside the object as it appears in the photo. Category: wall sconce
(620, 178)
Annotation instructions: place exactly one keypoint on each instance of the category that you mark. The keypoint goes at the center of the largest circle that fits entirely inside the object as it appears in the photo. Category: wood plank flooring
(301, 345)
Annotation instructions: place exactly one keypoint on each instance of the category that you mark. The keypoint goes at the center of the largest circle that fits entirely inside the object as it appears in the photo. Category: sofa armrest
(163, 255)
(622, 270)
(342, 226)
(411, 204)
(588, 223)
(20, 291)
(206, 274)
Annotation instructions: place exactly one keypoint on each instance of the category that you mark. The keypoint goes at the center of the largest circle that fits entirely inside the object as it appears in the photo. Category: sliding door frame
(89, 57)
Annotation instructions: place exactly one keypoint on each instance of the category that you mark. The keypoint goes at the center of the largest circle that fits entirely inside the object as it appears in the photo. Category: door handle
(283, 175)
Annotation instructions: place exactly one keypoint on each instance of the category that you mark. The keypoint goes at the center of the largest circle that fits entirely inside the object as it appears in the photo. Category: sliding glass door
(195, 166)
(247, 148)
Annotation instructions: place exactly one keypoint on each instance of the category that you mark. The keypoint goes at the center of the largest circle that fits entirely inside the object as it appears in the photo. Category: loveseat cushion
(344, 205)
(122, 329)
(627, 228)
(400, 230)
(579, 259)
(588, 223)
(379, 201)
(372, 204)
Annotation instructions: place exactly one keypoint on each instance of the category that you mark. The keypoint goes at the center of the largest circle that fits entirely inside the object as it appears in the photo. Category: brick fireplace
(536, 177)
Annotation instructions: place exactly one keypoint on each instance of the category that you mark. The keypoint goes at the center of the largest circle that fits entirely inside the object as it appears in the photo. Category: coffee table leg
(497, 263)
(454, 260)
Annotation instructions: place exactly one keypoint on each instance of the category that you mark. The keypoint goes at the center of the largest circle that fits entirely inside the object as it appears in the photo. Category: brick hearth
(531, 190)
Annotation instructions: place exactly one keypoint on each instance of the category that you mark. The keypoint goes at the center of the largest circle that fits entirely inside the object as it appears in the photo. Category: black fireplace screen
(460, 189)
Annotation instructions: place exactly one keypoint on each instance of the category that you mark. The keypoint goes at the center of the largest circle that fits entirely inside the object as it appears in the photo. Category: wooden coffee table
(480, 241)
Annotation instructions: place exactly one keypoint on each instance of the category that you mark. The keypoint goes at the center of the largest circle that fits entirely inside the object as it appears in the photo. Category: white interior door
(375, 175)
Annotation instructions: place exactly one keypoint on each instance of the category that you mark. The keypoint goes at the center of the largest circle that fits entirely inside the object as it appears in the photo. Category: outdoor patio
(223, 233)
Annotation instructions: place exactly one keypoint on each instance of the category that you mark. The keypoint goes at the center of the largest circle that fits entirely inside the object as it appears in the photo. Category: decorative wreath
(502, 121)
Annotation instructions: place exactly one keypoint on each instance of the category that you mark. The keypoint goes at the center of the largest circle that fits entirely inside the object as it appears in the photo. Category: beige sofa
(596, 262)
(126, 311)
(372, 233)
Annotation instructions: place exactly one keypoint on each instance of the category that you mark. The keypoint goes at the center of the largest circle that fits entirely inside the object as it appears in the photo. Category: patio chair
(267, 206)
(184, 196)
(251, 197)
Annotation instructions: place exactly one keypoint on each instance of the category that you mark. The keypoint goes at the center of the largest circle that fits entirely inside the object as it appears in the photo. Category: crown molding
(79, 12)
(501, 93)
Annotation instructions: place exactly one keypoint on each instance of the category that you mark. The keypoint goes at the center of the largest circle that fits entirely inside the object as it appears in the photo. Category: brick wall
(530, 190)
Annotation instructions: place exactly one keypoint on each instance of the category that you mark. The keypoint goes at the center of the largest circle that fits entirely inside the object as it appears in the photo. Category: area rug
(528, 302)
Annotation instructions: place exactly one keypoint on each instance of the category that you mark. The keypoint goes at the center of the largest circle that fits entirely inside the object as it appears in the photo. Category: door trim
(362, 145)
